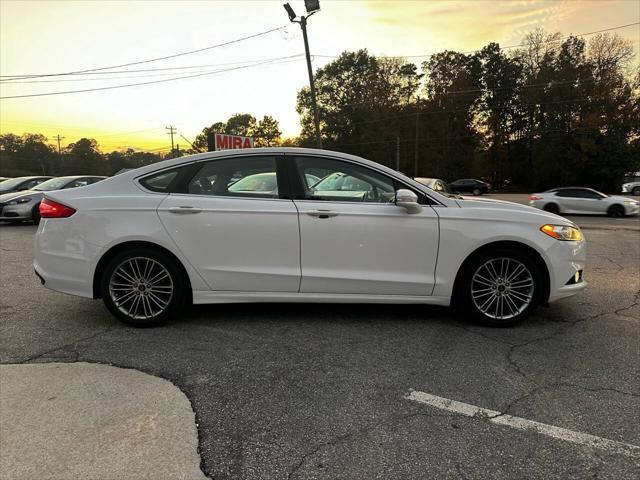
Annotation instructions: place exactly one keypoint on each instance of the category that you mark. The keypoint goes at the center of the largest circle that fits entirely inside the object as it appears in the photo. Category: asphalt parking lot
(320, 391)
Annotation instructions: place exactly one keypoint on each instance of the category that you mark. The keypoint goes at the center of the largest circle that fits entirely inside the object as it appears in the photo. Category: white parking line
(493, 416)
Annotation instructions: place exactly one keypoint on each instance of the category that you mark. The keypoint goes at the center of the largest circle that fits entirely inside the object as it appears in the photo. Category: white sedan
(151, 240)
(579, 200)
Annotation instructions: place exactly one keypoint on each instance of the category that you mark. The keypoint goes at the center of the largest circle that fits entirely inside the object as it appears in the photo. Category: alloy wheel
(502, 288)
(141, 288)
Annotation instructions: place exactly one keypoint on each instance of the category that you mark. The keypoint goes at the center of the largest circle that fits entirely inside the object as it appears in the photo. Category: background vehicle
(580, 200)
(435, 184)
(632, 187)
(469, 185)
(20, 183)
(149, 240)
(24, 205)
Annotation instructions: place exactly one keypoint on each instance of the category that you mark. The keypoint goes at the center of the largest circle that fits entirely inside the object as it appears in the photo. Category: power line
(501, 48)
(138, 84)
(11, 81)
(156, 59)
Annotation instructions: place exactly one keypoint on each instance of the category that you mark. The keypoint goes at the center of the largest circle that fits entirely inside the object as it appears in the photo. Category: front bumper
(565, 260)
(632, 209)
(20, 211)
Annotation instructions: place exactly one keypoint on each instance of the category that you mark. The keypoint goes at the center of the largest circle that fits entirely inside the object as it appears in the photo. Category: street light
(312, 6)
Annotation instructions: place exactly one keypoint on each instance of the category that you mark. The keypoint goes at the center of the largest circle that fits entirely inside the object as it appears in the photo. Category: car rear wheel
(616, 211)
(143, 287)
(500, 287)
(477, 191)
(551, 208)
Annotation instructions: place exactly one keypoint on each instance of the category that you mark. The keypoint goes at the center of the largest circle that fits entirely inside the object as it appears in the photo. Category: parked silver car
(24, 205)
(579, 200)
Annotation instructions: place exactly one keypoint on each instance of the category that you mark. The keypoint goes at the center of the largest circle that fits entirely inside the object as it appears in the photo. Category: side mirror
(408, 200)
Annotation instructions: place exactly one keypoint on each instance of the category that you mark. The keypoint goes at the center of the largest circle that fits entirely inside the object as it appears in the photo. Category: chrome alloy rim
(502, 288)
(141, 288)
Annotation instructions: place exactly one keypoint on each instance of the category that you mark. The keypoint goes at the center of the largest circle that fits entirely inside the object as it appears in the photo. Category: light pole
(312, 7)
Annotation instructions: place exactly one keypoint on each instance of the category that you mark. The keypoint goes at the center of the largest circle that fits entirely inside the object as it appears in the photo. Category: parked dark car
(470, 185)
(20, 183)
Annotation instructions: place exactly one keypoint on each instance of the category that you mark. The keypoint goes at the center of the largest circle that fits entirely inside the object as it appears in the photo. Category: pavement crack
(346, 436)
(636, 301)
(70, 347)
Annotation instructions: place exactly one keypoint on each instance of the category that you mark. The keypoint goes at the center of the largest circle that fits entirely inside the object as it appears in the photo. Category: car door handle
(184, 210)
(322, 213)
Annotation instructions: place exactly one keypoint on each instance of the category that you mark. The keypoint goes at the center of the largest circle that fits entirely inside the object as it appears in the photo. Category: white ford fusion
(298, 225)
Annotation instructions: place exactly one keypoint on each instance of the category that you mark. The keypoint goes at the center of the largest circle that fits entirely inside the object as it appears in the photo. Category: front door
(233, 227)
(354, 239)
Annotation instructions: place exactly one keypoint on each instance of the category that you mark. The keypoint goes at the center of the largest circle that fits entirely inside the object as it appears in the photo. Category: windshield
(12, 183)
(53, 184)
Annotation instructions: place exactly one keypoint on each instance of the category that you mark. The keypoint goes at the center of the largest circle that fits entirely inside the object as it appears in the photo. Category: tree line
(555, 111)
(32, 154)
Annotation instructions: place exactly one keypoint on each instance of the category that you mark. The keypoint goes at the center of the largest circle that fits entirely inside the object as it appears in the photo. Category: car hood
(7, 197)
(502, 205)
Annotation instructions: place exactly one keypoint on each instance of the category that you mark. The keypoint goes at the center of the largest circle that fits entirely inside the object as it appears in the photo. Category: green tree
(266, 132)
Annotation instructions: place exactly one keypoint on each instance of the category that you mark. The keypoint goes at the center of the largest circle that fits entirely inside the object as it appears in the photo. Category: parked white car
(631, 187)
(578, 200)
(152, 239)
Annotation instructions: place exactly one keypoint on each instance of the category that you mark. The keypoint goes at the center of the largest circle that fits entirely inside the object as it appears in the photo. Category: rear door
(354, 239)
(243, 239)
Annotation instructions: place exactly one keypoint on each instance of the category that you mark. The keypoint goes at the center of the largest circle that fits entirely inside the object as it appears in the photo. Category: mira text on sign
(227, 142)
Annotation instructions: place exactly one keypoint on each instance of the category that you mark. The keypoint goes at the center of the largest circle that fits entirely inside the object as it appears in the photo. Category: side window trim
(187, 173)
(298, 189)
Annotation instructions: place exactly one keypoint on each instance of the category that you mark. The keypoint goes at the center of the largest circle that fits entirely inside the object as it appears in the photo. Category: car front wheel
(616, 211)
(636, 191)
(143, 287)
(500, 287)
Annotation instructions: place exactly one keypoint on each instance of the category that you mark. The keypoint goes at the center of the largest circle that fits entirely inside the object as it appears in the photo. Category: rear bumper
(65, 263)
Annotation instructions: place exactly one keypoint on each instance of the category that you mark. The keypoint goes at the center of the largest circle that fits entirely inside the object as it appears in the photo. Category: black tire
(35, 214)
(552, 208)
(477, 191)
(174, 303)
(636, 191)
(616, 211)
(464, 300)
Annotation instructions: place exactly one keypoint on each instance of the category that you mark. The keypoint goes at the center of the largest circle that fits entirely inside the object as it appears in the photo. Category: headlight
(20, 200)
(562, 232)
(631, 202)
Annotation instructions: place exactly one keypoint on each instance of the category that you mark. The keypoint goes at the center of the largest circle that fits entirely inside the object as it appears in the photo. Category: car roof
(569, 188)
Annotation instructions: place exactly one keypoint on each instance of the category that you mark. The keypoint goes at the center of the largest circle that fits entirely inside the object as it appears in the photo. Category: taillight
(51, 209)
(534, 197)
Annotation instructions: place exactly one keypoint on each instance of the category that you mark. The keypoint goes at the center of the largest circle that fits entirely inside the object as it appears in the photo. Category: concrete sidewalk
(88, 421)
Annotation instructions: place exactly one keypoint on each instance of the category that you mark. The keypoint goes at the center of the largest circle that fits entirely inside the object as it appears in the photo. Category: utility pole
(415, 153)
(172, 131)
(312, 6)
(58, 137)
(397, 154)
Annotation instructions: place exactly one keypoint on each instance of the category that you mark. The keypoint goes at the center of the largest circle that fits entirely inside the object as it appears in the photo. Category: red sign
(231, 142)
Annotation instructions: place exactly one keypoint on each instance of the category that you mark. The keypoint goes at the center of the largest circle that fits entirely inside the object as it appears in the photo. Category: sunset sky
(53, 37)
